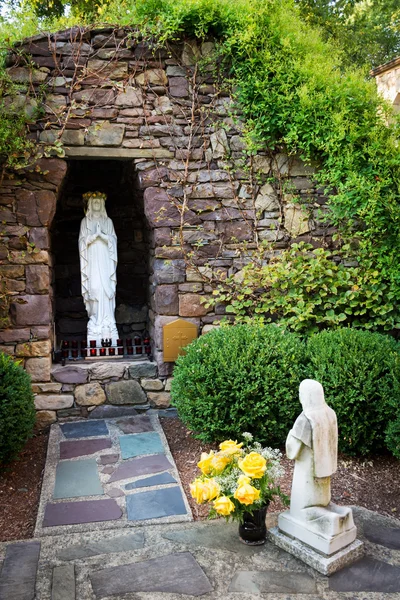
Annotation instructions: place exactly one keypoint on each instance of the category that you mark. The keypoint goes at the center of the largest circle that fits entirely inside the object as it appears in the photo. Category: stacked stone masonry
(106, 95)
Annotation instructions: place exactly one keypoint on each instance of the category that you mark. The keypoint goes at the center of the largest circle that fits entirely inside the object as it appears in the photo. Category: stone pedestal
(327, 565)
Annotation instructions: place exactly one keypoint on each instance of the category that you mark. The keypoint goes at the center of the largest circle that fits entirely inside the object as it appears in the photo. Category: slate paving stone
(74, 449)
(63, 584)
(219, 536)
(384, 536)
(366, 575)
(176, 573)
(125, 543)
(111, 412)
(109, 459)
(160, 479)
(87, 511)
(139, 444)
(83, 429)
(115, 493)
(108, 470)
(139, 424)
(272, 582)
(18, 575)
(77, 478)
(141, 466)
(155, 504)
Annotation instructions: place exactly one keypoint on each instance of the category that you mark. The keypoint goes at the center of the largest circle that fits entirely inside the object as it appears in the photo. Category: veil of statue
(98, 259)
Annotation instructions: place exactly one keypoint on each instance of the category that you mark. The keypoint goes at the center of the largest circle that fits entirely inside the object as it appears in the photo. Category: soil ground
(372, 483)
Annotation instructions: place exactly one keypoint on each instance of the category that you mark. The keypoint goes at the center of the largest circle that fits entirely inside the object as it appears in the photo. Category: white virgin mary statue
(98, 257)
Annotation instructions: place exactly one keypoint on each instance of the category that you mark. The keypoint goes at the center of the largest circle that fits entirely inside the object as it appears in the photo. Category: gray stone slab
(155, 504)
(139, 444)
(384, 536)
(138, 424)
(160, 479)
(115, 493)
(75, 478)
(272, 582)
(176, 573)
(141, 466)
(87, 511)
(143, 369)
(109, 459)
(111, 412)
(83, 429)
(367, 575)
(221, 536)
(125, 543)
(18, 575)
(75, 448)
(63, 585)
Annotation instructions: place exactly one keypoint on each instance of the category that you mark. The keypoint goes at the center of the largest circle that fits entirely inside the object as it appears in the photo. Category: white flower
(247, 436)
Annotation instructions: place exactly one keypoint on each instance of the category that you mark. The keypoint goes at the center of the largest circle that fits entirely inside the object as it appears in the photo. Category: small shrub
(393, 437)
(17, 409)
(240, 378)
(360, 373)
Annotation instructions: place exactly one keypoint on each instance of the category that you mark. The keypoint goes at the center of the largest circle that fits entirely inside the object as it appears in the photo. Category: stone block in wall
(7, 350)
(39, 237)
(29, 349)
(152, 385)
(52, 170)
(95, 96)
(198, 274)
(153, 77)
(53, 401)
(14, 335)
(15, 286)
(171, 271)
(168, 383)
(107, 370)
(262, 164)
(191, 305)
(69, 374)
(129, 97)
(159, 399)
(152, 177)
(38, 368)
(162, 236)
(27, 258)
(142, 369)
(105, 134)
(12, 271)
(37, 279)
(100, 70)
(31, 310)
(125, 392)
(26, 75)
(42, 332)
(7, 216)
(296, 220)
(219, 144)
(161, 210)
(166, 300)
(267, 199)
(235, 231)
(89, 394)
(179, 87)
(44, 418)
(36, 208)
(46, 388)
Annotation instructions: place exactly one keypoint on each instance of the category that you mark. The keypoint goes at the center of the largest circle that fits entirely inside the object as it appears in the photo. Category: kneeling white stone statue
(312, 443)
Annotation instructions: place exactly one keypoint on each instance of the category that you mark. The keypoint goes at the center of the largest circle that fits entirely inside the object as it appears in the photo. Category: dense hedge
(17, 409)
(237, 379)
(246, 378)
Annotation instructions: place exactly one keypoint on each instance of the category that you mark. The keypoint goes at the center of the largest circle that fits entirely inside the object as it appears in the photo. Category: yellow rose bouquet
(238, 479)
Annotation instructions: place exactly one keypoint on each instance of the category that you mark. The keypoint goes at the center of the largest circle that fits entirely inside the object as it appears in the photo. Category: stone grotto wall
(157, 130)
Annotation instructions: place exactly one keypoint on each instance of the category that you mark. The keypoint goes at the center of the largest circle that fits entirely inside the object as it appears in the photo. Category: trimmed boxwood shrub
(17, 409)
(393, 437)
(240, 378)
(360, 373)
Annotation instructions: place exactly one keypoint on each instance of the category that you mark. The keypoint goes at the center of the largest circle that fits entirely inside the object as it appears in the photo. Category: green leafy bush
(17, 409)
(360, 373)
(393, 437)
(240, 378)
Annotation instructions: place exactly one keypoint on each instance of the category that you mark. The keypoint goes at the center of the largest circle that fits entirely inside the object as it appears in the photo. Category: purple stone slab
(176, 573)
(83, 447)
(87, 511)
(139, 424)
(109, 459)
(141, 466)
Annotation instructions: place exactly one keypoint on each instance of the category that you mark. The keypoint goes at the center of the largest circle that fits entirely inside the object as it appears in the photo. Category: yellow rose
(197, 491)
(224, 506)
(243, 480)
(253, 465)
(211, 490)
(219, 462)
(247, 494)
(230, 447)
(205, 462)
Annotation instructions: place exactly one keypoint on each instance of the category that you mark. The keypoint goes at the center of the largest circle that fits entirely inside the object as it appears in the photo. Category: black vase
(253, 530)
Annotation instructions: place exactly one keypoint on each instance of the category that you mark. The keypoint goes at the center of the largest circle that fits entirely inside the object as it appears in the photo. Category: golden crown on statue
(89, 195)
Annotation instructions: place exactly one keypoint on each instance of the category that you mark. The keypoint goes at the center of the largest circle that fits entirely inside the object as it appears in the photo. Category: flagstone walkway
(179, 561)
(109, 473)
